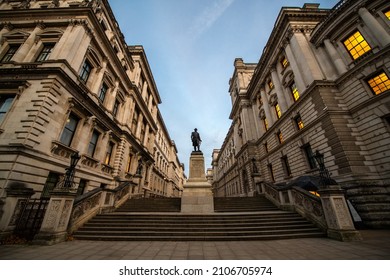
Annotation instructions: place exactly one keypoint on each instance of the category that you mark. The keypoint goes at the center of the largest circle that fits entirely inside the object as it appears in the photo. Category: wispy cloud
(207, 18)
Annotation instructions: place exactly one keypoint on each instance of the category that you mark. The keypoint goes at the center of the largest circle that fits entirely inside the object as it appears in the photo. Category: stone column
(279, 90)
(55, 223)
(335, 57)
(267, 111)
(197, 194)
(337, 216)
(377, 30)
(301, 84)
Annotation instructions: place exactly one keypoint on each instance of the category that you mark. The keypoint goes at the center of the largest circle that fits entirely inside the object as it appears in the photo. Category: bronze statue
(196, 141)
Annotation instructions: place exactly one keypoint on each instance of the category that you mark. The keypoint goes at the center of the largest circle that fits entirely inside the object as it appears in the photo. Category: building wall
(116, 103)
(342, 117)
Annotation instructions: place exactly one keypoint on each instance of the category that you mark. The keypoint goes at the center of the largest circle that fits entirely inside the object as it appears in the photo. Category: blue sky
(191, 46)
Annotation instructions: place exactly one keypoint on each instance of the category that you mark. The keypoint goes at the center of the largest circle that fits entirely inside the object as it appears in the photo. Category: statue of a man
(195, 137)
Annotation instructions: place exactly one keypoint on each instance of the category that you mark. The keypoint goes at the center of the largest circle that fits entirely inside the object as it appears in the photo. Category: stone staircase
(258, 220)
(243, 204)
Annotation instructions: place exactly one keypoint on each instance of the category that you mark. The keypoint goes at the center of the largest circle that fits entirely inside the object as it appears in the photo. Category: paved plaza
(374, 246)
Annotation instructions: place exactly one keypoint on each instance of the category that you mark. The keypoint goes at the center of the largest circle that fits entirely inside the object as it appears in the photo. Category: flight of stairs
(243, 223)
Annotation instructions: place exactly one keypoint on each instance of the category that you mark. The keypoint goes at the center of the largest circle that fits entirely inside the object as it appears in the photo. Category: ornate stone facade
(322, 83)
(70, 83)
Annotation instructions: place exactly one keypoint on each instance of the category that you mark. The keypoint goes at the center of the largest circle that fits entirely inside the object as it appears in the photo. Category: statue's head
(196, 129)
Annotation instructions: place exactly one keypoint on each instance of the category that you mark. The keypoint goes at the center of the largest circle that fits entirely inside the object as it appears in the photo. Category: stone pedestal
(338, 218)
(197, 195)
(55, 223)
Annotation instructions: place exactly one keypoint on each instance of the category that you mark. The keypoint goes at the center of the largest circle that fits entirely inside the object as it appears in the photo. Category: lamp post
(324, 173)
(67, 183)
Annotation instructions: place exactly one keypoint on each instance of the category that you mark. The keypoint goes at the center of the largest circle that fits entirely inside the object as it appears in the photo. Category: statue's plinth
(197, 194)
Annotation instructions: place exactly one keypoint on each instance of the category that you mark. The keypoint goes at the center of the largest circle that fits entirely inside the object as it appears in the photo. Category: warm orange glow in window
(387, 14)
(270, 84)
(280, 137)
(265, 124)
(299, 122)
(295, 92)
(379, 83)
(357, 45)
(278, 111)
(284, 62)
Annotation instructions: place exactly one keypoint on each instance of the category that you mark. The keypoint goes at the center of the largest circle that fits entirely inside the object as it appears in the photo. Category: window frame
(352, 34)
(376, 75)
(309, 155)
(92, 145)
(286, 166)
(65, 129)
(44, 54)
(109, 153)
(298, 122)
(85, 71)
(8, 55)
(4, 112)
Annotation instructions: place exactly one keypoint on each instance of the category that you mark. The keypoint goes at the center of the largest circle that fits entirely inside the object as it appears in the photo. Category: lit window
(10, 53)
(270, 84)
(357, 45)
(265, 122)
(299, 122)
(103, 91)
(128, 166)
(280, 137)
(69, 130)
(380, 83)
(387, 14)
(5, 104)
(110, 148)
(278, 111)
(294, 91)
(284, 62)
(44, 55)
(85, 71)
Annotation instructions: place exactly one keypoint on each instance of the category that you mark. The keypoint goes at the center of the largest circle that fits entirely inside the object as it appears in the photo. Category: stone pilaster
(338, 218)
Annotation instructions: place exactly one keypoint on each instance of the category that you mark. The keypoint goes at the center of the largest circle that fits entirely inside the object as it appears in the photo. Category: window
(286, 166)
(309, 156)
(294, 91)
(380, 83)
(10, 53)
(357, 45)
(44, 55)
(278, 111)
(5, 104)
(265, 123)
(92, 143)
(103, 91)
(284, 62)
(110, 149)
(51, 182)
(387, 14)
(271, 172)
(69, 130)
(270, 84)
(279, 136)
(81, 187)
(266, 147)
(128, 166)
(85, 71)
(298, 121)
(116, 108)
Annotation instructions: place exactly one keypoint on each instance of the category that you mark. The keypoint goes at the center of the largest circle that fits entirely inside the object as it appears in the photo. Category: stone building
(69, 83)
(321, 84)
